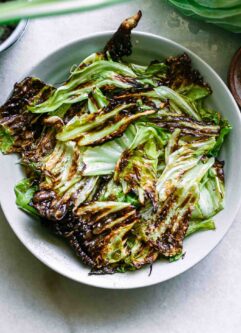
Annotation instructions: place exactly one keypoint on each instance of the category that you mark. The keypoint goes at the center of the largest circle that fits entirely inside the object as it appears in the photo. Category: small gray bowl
(15, 35)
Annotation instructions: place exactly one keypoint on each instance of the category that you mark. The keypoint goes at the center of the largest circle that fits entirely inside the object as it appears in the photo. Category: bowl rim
(233, 76)
(64, 273)
(15, 35)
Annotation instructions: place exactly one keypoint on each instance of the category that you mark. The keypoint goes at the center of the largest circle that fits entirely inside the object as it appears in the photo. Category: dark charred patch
(123, 162)
(23, 94)
(75, 243)
(48, 205)
(120, 44)
(186, 200)
(165, 208)
(75, 109)
(133, 96)
(129, 80)
(180, 73)
(168, 246)
(187, 125)
(219, 167)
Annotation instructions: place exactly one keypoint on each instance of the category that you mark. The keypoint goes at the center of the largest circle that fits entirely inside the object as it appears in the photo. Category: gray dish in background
(15, 35)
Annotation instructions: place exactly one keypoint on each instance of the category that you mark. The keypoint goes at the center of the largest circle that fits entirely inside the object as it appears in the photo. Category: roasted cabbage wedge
(121, 159)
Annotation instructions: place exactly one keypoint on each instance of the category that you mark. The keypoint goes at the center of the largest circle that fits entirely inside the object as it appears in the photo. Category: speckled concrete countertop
(35, 299)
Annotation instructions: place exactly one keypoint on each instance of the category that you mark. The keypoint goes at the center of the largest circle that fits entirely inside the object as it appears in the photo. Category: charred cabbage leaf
(178, 193)
(136, 171)
(211, 193)
(102, 231)
(101, 126)
(101, 160)
(120, 43)
(85, 79)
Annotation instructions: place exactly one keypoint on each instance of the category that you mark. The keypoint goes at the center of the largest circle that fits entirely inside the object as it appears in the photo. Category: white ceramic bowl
(15, 35)
(53, 251)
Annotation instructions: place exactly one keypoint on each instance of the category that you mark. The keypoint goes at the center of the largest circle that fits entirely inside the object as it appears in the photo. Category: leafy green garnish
(6, 139)
(195, 226)
(24, 192)
(194, 92)
(177, 257)
(225, 129)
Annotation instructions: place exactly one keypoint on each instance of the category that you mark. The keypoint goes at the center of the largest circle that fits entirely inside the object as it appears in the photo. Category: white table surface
(33, 298)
